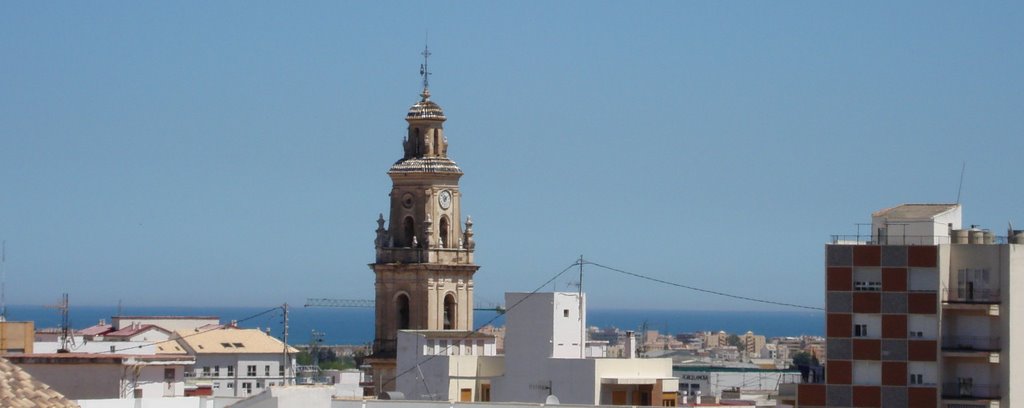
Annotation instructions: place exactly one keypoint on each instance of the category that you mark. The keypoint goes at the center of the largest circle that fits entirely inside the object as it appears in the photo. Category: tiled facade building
(920, 314)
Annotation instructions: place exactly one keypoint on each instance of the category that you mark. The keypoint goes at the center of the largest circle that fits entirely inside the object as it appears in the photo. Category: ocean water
(355, 325)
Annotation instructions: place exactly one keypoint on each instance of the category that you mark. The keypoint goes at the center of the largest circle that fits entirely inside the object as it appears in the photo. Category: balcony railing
(889, 240)
(963, 390)
(970, 343)
(972, 295)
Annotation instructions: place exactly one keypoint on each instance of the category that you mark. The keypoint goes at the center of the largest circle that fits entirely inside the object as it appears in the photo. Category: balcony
(967, 390)
(973, 295)
(970, 343)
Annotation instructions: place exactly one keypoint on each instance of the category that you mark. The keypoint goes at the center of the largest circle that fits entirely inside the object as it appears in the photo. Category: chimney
(630, 347)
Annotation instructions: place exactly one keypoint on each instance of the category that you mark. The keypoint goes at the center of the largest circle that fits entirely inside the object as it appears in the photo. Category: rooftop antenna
(66, 336)
(963, 168)
(425, 70)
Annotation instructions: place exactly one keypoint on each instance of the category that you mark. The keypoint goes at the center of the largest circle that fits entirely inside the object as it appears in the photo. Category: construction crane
(367, 303)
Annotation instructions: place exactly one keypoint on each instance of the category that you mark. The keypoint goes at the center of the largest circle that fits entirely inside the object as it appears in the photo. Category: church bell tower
(424, 256)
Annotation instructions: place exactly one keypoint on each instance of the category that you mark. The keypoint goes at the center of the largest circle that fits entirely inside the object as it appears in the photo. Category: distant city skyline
(227, 154)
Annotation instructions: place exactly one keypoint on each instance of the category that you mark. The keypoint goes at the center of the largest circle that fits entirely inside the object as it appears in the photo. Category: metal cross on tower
(424, 70)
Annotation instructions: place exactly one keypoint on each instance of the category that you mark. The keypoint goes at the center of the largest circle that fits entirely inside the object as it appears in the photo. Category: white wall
(169, 324)
(1012, 323)
(229, 386)
(176, 402)
(120, 347)
(928, 369)
(873, 321)
(926, 324)
(867, 372)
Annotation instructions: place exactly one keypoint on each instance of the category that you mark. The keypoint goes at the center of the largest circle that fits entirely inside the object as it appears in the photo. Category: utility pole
(583, 328)
(287, 355)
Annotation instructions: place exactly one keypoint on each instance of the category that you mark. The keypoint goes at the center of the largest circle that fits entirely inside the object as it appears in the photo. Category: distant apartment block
(921, 312)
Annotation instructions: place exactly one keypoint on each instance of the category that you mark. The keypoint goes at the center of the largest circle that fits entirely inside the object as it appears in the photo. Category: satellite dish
(551, 400)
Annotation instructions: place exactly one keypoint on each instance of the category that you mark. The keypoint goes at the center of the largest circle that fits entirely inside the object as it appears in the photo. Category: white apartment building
(236, 362)
(447, 365)
(546, 354)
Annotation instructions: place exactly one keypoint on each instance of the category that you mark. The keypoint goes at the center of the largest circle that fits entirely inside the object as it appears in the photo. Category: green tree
(804, 358)
(734, 340)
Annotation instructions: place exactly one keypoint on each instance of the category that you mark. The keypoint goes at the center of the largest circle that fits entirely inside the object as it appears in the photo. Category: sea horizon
(355, 325)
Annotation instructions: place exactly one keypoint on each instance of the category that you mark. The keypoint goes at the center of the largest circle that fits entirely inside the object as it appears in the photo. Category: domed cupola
(425, 109)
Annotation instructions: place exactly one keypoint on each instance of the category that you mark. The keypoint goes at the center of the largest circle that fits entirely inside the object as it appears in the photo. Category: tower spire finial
(425, 71)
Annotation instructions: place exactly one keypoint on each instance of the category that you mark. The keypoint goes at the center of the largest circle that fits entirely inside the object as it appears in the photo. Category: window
(266, 370)
(259, 384)
(238, 345)
(916, 379)
(449, 312)
(860, 330)
(231, 371)
(168, 374)
(216, 385)
(916, 334)
(280, 370)
(206, 371)
(225, 345)
(216, 371)
(250, 371)
(867, 286)
(231, 385)
(247, 386)
(565, 312)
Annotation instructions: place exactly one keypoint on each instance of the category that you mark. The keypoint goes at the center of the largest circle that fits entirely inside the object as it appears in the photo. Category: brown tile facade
(867, 302)
(894, 373)
(839, 278)
(894, 279)
(867, 255)
(924, 256)
(921, 350)
(894, 326)
(922, 396)
(867, 396)
(839, 325)
(839, 372)
(922, 303)
(867, 349)
(811, 394)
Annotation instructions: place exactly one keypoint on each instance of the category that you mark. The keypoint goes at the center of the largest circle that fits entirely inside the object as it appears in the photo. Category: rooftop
(914, 211)
(133, 330)
(230, 340)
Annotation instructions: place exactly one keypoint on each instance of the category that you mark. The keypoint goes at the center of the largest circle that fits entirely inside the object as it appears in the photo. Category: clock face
(445, 199)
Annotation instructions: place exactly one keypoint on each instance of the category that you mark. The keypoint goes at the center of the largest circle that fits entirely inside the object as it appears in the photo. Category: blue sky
(234, 153)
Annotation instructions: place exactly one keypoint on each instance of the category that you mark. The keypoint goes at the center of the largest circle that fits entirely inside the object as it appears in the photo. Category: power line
(693, 288)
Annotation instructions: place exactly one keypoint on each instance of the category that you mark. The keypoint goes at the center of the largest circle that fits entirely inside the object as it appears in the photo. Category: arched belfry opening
(449, 311)
(444, 234)
(402, 307)
(408, 231)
